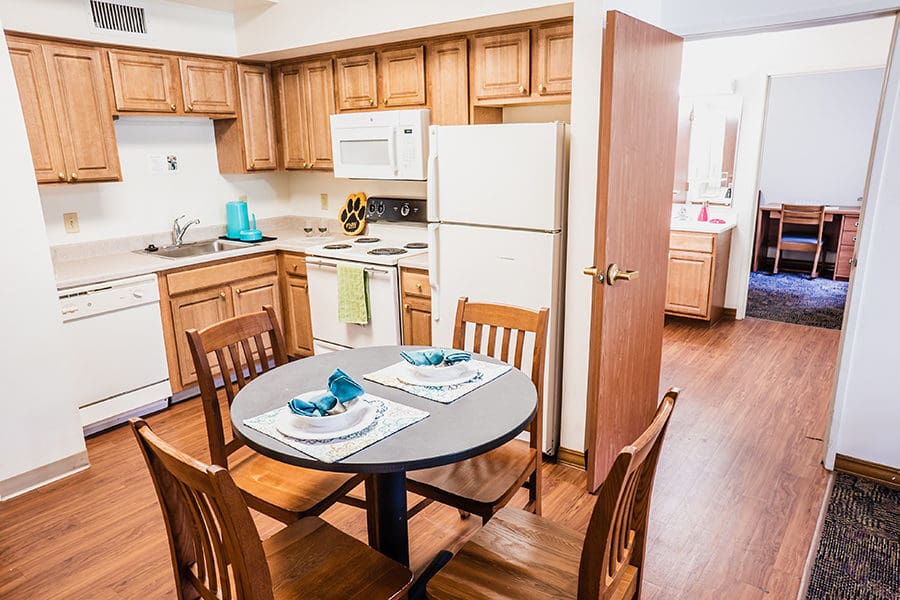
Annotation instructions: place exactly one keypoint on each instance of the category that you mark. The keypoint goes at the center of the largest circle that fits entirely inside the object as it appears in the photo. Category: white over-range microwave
(381, 144)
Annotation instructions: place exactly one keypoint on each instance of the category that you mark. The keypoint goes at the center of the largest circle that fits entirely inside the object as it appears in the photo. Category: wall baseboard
(885, 475)
(729, 313)
(25, 482)
(571, 458)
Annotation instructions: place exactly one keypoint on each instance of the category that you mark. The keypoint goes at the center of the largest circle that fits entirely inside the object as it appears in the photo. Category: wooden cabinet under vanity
(697, 274)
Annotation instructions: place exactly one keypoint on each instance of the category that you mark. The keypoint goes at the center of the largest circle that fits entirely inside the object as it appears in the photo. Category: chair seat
(800, 239)
(312, 560)
(479, 483)
(286, 492)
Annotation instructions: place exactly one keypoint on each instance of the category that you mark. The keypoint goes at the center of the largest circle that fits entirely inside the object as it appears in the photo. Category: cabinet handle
(294, 267)
(857, 225)
(854, 238)
(419, 286)
(371, 101)
(74, 177)
(541, 88)
(61, 176)
(304, 165)
(173, 107)
(190, 107)
(252, 164)
(521, 89)
(312, 164)
(222, 295)
(385, 101)
(238, 291)
(406, 307)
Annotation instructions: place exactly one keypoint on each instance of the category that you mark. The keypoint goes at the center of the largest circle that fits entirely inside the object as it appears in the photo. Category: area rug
(793, 298)
(859, 553)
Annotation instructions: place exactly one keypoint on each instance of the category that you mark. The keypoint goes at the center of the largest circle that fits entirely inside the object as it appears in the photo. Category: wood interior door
(356, 82)
(143, 82)
(638, 119)
(448, 81)
(85, 121)
(196, 310)
(553, 68)
(208, 86)
(687, 288)
(403, 76)
(298, 323)
(258, 116)
(318, 106)
(502, 64)
(37, 106)
(294, 129)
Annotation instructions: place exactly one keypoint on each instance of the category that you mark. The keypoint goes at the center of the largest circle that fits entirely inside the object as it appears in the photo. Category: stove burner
(416, 245)
(337, 246)
(386, 251)
(368, 240)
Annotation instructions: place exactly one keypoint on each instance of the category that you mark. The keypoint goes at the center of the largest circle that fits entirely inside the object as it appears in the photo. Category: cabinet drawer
(415, 282)
(695, 242)
(842, 262)
(293, 264)
(219, 274)
(850, 223)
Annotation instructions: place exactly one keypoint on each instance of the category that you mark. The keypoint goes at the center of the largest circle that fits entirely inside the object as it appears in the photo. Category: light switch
(324, 199)
(71, 222)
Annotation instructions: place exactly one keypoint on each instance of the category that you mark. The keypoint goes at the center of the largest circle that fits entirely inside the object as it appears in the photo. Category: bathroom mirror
(707, 143)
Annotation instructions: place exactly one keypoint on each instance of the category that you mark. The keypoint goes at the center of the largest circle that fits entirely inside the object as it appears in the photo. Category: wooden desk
(839, 235)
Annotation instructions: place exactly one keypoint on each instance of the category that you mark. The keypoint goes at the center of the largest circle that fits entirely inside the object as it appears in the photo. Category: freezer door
(515, 267)
(509, 175)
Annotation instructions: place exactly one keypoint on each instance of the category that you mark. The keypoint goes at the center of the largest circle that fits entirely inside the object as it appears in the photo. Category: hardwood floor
(736, 499)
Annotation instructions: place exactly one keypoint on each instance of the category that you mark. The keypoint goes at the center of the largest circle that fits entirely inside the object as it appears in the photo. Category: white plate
(413, 378)
(330, 422)
(288, 424)
(437, 373)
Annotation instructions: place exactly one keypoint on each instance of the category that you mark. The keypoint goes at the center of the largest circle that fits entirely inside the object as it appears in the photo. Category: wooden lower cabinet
(250, 295)
(196, 310)
(697, 274)
(416, 307)
(297, 321)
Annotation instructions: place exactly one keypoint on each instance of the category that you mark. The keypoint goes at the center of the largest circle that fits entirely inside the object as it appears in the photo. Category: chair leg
(777, 258)
(815, 267)
(464, 514)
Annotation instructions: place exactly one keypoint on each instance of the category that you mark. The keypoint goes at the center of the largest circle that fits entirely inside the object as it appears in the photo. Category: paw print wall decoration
(353, 214)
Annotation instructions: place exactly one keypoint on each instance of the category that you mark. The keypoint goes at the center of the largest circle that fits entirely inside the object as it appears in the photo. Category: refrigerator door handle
(433, 230)
(431, 185)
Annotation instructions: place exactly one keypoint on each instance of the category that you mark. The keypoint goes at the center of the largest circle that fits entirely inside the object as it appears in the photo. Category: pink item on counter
(717, 221)
(703, 216)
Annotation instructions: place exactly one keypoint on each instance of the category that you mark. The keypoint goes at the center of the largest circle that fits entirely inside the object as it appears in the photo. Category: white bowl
(438, 373)
(330, 422)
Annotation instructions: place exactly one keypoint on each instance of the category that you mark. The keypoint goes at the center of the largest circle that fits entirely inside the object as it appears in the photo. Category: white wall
(172, 26)
(818, 137)
(39, 422)
(749, 61)
(866, 411)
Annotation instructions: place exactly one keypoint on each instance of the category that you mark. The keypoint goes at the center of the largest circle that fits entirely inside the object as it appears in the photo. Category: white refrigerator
(496, 212)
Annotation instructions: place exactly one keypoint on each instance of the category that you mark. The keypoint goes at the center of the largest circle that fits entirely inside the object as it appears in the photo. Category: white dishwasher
(113, 332)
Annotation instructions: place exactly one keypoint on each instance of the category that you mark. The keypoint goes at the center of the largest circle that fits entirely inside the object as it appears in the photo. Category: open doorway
(817, 142)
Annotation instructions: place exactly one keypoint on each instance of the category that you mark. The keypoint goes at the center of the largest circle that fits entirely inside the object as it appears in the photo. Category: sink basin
(196, 249)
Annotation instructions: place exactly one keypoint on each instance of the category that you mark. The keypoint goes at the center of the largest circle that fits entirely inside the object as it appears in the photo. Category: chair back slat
(617, 532)
(476, 347)
(504, 349)
(520, 347)
(214, 545)
(799, 214)
(245, 364)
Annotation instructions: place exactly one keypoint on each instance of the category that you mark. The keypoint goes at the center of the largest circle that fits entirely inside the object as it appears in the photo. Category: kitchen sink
(195, 249)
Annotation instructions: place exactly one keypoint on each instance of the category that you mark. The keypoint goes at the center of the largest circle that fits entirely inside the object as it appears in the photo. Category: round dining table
(477, 422)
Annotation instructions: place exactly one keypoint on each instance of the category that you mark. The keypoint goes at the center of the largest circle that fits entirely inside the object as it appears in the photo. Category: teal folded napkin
(341, 388)
(434, 357)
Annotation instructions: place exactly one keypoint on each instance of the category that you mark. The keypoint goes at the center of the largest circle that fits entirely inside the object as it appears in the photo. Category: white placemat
(484, 372)
(392, 417)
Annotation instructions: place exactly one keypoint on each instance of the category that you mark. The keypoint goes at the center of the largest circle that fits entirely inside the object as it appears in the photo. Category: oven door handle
(320, 263)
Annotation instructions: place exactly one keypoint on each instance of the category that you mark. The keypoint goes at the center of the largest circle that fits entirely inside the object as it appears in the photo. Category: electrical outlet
(71, 222)
(242, 198)
(324, 199)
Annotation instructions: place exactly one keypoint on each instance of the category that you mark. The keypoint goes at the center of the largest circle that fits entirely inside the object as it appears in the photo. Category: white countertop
(701, 227)
(725, 213)
(419, 261)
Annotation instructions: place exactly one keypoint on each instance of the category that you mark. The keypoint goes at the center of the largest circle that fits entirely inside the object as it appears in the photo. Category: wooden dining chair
(484, 484)
(520, 555)
(241, 352)
(812, 217)
(216, 551)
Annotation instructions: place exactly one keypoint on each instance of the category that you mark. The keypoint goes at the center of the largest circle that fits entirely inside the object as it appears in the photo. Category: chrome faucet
(178, 230)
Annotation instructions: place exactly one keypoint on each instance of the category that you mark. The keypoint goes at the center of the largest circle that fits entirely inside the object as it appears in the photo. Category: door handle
(594, 273)
(614, 273)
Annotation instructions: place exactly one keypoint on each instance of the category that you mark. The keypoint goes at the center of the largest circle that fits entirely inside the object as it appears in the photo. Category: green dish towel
(353, 296)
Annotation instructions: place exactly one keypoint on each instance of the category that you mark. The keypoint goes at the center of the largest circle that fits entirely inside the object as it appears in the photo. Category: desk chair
(809, 216)
(518, 555)
(216, 551)
(282, 491)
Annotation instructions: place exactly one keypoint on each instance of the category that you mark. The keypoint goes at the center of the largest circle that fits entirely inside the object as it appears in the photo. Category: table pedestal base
(386, 515)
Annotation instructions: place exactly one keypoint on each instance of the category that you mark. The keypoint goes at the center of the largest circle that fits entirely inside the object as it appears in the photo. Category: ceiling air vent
(118, 16)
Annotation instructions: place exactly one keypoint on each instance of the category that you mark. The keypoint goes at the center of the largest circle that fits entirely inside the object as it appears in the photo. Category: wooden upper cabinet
(448, 82)
(318, 106)
(502, 64)
(258, 117)
(208, 86)
(37, 106)
(402, 76)
(553, 61)
(294, 138)
(83, 114)
(356, 82)
(143, 82)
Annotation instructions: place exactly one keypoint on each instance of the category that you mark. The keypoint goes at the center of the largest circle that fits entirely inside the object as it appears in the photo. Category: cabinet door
(257, 114)
(448, 77)
(196, 311)
(207, 85)
(402, 76)
(416, 321)
(85, 121)
(37, 107)
(294, 134)
(688, 285)
(502, 64)
(318, 106)
(143, 82)
(297, 321)
(356, 82)
(250, 295)
(554, 59)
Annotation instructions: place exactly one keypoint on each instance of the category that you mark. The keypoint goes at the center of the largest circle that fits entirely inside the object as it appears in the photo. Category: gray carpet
(794, 298)
(859, 553)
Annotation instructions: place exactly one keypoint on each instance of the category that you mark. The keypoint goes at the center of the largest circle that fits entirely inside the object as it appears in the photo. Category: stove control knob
(404, 210)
